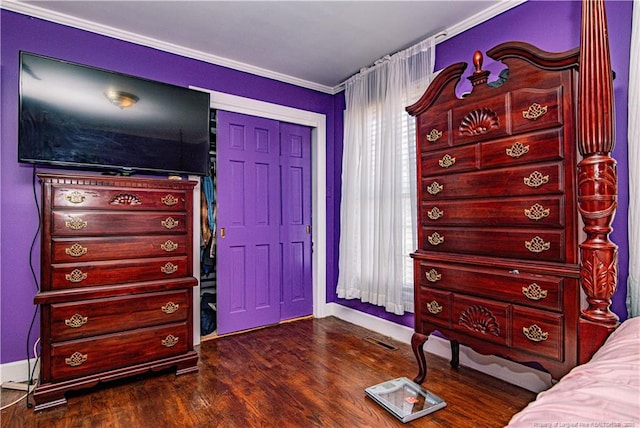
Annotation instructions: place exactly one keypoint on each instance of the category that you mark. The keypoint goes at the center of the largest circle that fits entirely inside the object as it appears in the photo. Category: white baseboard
(17, 371)
(508, 371)
(386, 328)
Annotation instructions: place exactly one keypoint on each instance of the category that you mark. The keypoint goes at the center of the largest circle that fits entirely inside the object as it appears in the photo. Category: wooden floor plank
(307, 373)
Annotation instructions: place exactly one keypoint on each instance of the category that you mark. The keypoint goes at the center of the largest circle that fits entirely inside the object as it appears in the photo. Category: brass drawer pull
(169, 200)
(76, 275)
(169, 246)
(517, 150)
(75, 197)
(75, 223)
(169, 341)
(534, 292)
(447, 161)
(169, 268)
(76, 321)
(170, 307)
(535, 333)
(434, 135)
(435, 188)
(435, 239)
(76, 359)
(125, 199)
(169, 223)
(433, 276)
(434, 307)
(435, 213)
(537, 245)
(76, 250)
(536, 179)
(536, 212)
(534, 112)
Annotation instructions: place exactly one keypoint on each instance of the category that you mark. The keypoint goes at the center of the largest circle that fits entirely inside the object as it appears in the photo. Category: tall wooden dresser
(497, 264)
(116, 280)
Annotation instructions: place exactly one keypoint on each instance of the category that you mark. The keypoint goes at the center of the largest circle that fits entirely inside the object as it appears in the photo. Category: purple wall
(552, 26)
(19, 217)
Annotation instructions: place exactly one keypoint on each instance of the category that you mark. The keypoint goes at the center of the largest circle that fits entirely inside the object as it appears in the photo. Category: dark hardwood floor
(307, 373)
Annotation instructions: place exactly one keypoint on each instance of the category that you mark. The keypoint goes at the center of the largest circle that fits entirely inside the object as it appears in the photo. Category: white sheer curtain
(633, 282)
(378, 207)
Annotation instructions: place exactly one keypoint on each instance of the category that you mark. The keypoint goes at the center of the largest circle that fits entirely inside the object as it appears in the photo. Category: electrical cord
(17, 401)
(35, 236)
(30, 372)
(30, 387)
(35, 280)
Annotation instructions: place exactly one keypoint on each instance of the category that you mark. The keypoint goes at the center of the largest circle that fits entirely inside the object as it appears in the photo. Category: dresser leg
(455, 353)
(417, 344)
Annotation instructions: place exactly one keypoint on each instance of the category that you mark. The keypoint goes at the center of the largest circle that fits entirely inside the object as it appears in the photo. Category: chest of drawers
(497, 264)
(116, 280)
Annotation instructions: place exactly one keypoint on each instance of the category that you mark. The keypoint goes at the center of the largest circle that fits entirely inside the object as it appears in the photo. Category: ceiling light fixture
(121, 99)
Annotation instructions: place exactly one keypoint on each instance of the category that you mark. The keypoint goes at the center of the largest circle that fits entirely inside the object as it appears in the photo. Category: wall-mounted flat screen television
(77, 116)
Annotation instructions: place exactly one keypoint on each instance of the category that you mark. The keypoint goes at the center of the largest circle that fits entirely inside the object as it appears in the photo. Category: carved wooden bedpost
(597, 179)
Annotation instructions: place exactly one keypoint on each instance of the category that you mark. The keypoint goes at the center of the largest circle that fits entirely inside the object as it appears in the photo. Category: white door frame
(318, 124)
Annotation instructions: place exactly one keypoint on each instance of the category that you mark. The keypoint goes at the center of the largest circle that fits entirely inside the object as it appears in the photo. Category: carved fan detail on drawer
(480, 319)
(479, 121)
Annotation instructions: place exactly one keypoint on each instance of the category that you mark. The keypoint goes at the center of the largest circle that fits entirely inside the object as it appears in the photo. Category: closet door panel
(295, 228)
(248, 256)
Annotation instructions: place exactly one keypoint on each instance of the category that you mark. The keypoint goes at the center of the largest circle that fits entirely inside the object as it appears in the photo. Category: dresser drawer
(73, 320)
(106, 198)
(103, 353)
(434, 306)
(451, 160)
(538, 332)
(480, 121)
(540, 179)
(481, 318)
(524, 149)
(97, 223)
(75, 275)
(527, 244)
(515, 286)
(82, 249)
(532, 211)
(434, 130)
(536, 109)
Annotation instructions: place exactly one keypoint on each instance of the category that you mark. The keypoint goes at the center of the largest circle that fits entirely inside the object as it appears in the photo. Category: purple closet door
(248, 245)
(295, 230)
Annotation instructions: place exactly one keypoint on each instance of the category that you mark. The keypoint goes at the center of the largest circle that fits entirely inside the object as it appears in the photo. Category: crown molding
(461, 27)
(479, 18)
(93, 27)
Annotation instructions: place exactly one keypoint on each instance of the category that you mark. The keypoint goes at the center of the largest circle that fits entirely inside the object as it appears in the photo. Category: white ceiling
(316, 44)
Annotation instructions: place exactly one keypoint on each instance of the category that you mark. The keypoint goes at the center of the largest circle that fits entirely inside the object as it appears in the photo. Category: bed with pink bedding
(605, 392)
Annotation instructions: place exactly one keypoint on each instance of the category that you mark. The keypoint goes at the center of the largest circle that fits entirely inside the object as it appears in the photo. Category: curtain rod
(376, 63)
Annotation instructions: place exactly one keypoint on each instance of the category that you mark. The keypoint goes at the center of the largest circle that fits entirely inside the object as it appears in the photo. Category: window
(378, 207)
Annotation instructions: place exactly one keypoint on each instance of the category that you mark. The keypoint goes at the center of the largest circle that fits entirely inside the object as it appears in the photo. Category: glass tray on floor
(405, 399)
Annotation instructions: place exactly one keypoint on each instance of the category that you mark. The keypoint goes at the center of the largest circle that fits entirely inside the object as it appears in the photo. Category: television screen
(77, 116)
